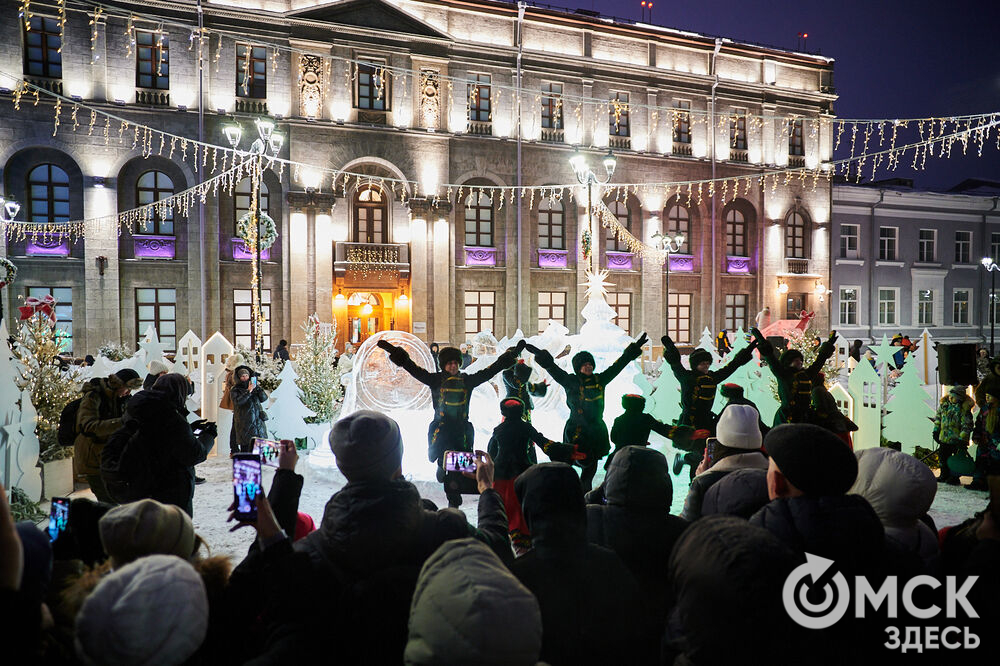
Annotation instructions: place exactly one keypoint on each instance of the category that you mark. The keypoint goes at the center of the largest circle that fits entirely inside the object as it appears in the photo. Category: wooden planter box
(57, 478)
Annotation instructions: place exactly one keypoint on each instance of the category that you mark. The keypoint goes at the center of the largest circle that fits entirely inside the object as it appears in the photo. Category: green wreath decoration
(8, 271)
(268, 231)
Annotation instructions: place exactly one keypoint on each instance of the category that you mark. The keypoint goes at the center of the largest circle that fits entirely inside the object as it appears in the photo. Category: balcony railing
(681, 149)
(797, 266)
(250, 105)
(372, 259)
(480, 128)
(152, 97)
(553, 135)
(737, 155)
(52, 85)
(620, 142)
(373, 117)
(796, 161)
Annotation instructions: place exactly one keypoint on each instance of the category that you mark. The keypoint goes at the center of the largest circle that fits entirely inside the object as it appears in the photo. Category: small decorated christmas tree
(266, 366)
(318, 378)
(910, 418)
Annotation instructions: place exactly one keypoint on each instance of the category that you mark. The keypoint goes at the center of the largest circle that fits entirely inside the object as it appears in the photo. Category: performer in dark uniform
(698, 388)
(516, 382)
(633, 427)
(794, 381)
(450, 391)
(585, 398)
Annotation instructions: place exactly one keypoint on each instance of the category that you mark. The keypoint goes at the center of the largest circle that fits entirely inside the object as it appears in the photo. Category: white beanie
(153, 611)
(157, 367)
(738, 428)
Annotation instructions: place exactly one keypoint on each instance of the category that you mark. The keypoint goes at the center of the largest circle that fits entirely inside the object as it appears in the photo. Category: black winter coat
(171, 446)
(248, 416)
(512, 448)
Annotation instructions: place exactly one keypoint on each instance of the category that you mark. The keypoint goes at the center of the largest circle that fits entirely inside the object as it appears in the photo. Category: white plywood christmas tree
(910, 417)
(663, 400)
(865, 387)
(286, 413)
(707, 343)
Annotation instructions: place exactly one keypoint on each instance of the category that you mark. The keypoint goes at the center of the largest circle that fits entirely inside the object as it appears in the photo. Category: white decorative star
(596, 285)
(884, 351)
(152, 346)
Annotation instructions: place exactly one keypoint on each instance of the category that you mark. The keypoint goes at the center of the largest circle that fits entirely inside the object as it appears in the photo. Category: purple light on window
(737, 265)
(681, 263)
(480, 256)
(552, 258)
(619, 261)
(241, 253)
(50, 245)
(155, 247)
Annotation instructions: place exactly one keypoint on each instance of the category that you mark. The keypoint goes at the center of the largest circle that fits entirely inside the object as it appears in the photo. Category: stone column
(102, 284)
(310, 256)
(653, 303)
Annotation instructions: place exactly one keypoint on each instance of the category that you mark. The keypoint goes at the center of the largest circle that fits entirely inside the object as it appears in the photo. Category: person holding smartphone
(248, 414)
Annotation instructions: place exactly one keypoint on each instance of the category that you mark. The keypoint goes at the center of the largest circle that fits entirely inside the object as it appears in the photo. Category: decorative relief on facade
(619, 261)
(552, 258)
(480, 256)
(310, 86)
(682, 263)
(154, 247)
(430, 99)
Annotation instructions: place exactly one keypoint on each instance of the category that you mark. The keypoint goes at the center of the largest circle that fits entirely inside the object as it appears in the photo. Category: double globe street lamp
(992, 267)
(669, 245)
(585, 176)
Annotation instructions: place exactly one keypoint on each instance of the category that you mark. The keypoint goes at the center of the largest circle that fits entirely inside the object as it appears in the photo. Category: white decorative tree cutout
(910, 418)
(286, 413)
(707, 343)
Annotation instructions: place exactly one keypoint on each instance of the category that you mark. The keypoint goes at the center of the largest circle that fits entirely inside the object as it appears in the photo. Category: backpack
(66, 433)
(125, 467)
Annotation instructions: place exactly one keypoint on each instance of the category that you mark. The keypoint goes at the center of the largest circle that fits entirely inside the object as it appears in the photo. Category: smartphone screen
(459, 461)
(246, 485)
(268, 450)
(710, 449)
(58, 517)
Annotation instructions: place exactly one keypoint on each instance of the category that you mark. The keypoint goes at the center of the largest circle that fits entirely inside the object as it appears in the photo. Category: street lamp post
(992, 267)
(8, 211)
(267, 141)
(587, 177)
(670, 245)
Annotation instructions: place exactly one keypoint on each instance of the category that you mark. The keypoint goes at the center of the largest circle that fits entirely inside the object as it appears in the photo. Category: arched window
(678, 222)
(736, 233)
(243, 194)
(551, 229)
(478, 220)
(48, 194)
(153, 186)
(611, 242)
(795, 236)
(371, 216)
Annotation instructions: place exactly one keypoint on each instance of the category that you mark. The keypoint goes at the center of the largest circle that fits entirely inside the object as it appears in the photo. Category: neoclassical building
(427, 91)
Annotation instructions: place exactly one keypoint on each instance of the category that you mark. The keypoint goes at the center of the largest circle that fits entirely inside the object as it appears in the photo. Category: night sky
(893, 59)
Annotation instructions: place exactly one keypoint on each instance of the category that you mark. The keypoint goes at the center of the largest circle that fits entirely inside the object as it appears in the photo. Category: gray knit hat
(367, 445)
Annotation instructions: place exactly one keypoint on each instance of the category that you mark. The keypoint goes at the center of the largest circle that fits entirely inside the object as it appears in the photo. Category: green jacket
(100, 415)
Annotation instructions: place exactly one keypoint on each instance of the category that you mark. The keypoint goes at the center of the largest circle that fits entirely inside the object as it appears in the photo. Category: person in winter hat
(740, 493)
(233, 361)
(157, 368)
(512, 450)
(827, 412)
(585, 398)
(248, 414)
(698, 388)
(736, 446)
(515, 380)
(901, 489)
(451, 390)
(100, 415)
(986, 435)
(147, 527)
(990, 383)
(953, 426)
(633, 427)
(794, 381)
(469, 609)
(722, 344)
(152, 611)
(733, 395)
(367, 446)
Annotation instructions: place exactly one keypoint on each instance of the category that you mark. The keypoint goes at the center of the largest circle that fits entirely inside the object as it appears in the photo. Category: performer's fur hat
(583, 357)
(448, 354)
(633, 402)
(522, 371)
(698, 356)
(511, 408)
(788, 356)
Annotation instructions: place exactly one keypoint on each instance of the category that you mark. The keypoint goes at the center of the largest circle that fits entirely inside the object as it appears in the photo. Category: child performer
(794, 381)
(633, 427)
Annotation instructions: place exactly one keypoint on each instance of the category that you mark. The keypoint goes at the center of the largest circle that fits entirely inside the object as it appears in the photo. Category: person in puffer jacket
(248, 414)
(901, 490)
(469, 609)
(100, 416)
(952, 427)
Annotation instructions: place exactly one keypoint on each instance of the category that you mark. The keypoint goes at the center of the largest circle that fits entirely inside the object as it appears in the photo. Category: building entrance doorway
(365, 316)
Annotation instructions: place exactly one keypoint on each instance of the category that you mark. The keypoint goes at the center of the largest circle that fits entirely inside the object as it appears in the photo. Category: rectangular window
(736, 311)
(480, 103)
(243, 317)
(738, 130)
(478, 220)
(995, 247)
(850, 234)
(927, 247)
(42, 46)
(551, 307)
(848, 306)
(159, 308)
(960, 307)
(887, 243)
(679, 318)
(621, 303)
(64, 311)
(963, 247)
(372, 90)
(251, 71)
(479, 311)
(796, 147)
(887, 297)
(618, 124)
(152, 60)
(552, 106)
(682, 121)
(925, 307)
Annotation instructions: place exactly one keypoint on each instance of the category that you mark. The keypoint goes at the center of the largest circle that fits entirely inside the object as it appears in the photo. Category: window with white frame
(243, 197)
(480, 308)
(963, 247)
(478, 220)
(158, 308)
(621, 303)
(243, 317)
(850, 235)
(927, 245)
(151, 187)
(679, 318)
(64, 311)
(551, 307)
(887, 237)
(960, 307)
(925, 307)
(849, 306)
(887, 298)
(736, 311)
